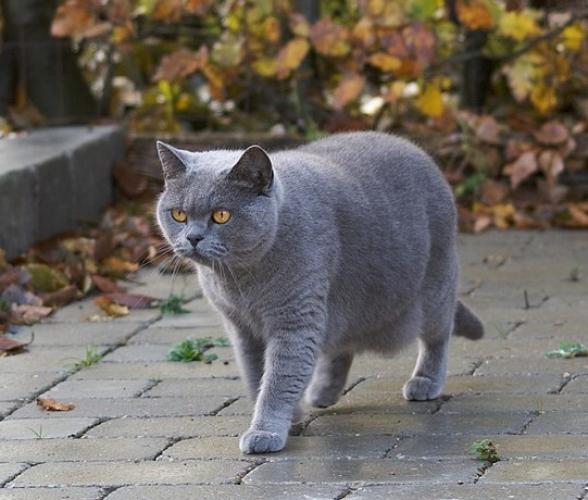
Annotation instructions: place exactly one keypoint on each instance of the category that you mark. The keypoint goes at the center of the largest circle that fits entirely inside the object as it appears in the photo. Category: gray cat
(313, 255)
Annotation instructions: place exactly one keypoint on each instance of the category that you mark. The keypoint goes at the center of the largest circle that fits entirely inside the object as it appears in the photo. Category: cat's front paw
(256, 441)
(421, 389)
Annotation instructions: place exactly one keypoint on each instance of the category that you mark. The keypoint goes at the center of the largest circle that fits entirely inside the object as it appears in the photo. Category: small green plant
(194, 349)
(172, 306)
(568, 349)
(38, 434)
(485, 450)
(91, 357)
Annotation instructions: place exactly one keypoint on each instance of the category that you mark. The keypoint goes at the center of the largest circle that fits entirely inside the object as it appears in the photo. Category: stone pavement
(146, 428)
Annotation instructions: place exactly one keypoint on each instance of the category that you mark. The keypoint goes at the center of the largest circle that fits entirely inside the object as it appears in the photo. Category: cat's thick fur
(347, 244)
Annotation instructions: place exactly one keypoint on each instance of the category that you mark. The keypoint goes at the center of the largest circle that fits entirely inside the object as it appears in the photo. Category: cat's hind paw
(421, 389)
(256, 441)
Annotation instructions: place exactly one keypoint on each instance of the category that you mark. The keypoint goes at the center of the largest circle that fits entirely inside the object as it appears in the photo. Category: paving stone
(223, 492)
(509, 447)
(132, 407)
(197, 387)
(82, 334)
(159, 370)
(18, 386)
(51, 494)
(171, 336)
(8, 471)
(190, 320)
(298, 447)
(47, 359)
(149, 281)
(171, 427)
(516, 365)
(119, 388)
(392, 424)
(467, 492)
(560, 423)
(127, 473)
(482, 403)
(7, 406)
(44, 428)
(537, 470)
(360, 471)
(80, 450)
(578, 385)
(156, 352)
(80, 312)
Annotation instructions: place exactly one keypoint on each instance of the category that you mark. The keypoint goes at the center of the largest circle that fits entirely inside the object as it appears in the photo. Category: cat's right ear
(173, 161)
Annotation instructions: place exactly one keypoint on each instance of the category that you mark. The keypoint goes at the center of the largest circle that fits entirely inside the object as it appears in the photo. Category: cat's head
(218, 206)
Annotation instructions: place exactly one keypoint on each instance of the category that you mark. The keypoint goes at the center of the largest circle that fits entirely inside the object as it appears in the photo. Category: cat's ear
(173, 160)
(253, 170)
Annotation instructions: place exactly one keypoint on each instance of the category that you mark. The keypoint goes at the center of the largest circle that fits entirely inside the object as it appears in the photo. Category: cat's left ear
(253, 170)
(174, 161)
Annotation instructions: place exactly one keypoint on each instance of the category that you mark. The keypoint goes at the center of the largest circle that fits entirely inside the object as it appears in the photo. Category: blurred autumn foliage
(497, 90)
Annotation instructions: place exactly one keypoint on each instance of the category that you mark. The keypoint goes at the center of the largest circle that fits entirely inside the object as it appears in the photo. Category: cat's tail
(467, 324)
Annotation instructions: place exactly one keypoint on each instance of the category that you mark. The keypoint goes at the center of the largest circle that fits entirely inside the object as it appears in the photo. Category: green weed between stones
(91, 357)
(172, 306)
(568, 349)
(485, 450)
(194, 349)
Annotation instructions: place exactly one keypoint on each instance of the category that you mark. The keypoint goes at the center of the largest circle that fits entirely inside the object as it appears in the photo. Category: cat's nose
(194, 239)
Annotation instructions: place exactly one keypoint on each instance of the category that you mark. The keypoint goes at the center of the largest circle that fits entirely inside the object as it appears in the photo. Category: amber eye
(221, 216)
(179, 215)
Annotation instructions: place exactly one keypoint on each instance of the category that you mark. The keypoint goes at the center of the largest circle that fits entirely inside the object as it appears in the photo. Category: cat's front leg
(289, 362)
(249, 351)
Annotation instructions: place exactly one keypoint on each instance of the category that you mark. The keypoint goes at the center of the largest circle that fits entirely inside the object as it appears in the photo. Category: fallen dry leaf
(8, 345)
(118, 266)
(52, 405)
(523, 167)
(111, 308)
(26, 314)
(551, 133)
(132, 301)
(106, 285)
(61, 297)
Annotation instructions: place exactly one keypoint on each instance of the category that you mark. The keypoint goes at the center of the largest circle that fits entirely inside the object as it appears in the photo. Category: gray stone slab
(223, 492)
(297, 448)
(468, 492)
(80, 450)
(8, 471)
(48, 359)
(82, 312)
(523, 366)
(482, 403)
(579, 385)
(509, 447)
(51, 494)
(20, 386)
(360, 471)
(197, 387)
(44, 428)
(78, 334)
(191, 320)
(160, 370)
(155, 352)
(555, 422)
(131, 407)
(393, 424)
(149, 281)
(54, 179)
(169, 336)
(7, 406)
(528, 471)
(126, 473)
(88, 389)
(171, 427)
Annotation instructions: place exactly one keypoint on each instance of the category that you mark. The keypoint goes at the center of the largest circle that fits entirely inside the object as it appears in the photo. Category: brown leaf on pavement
(26, 314)
(111, 308)
(61, 297)
(53, 405)
(132, 301)
(8, 345)
(106, 285)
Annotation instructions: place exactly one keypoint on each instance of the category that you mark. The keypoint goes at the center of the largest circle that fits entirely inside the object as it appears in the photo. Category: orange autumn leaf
(348, 90)
(111, 308)
(329, 38)
(385, 62)
(53, 405)
(180, 64)
(474, 14)
(73, 17)
(291, 56)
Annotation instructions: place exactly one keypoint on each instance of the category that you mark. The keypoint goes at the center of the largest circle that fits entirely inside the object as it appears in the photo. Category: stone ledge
(53, 180)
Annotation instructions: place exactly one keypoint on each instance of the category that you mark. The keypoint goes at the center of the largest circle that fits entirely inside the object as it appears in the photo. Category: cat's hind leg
(429, 374)
(328, 380)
